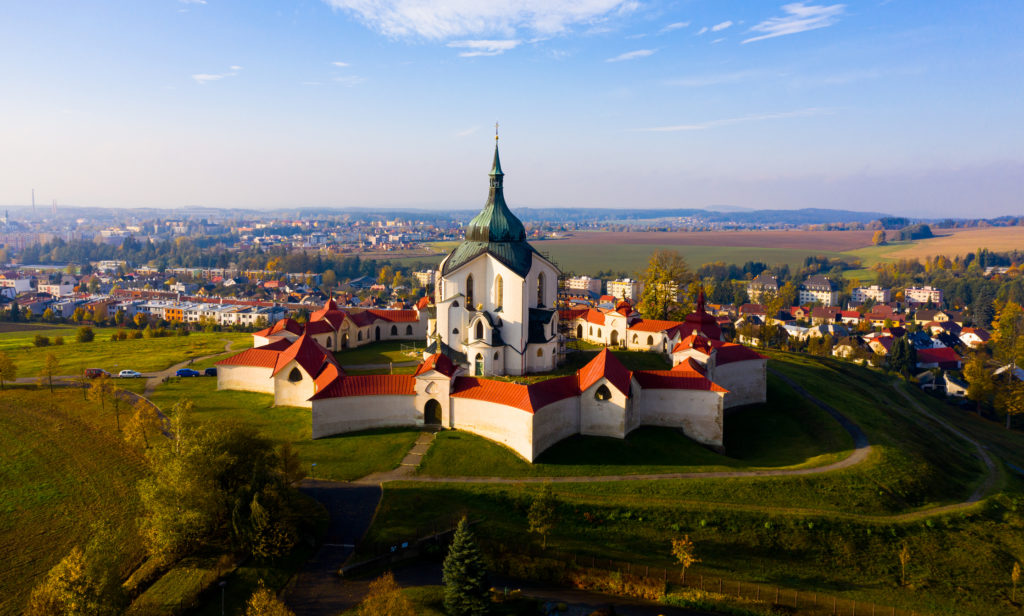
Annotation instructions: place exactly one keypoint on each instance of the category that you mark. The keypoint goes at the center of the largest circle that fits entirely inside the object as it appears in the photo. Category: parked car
(211, 371)
(187, 372)
(128, 374)
(95, 373)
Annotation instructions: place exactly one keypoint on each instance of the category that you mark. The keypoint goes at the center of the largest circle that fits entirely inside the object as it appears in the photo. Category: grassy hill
(837, 532)
(63, 470)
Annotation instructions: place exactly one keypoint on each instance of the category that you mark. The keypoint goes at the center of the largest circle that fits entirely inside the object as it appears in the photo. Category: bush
(59, 340)
(85, 334)
(41, 340)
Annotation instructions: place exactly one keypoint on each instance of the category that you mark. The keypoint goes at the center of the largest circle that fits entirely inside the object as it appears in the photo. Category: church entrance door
(344, 341)
(376, 335)
(579, 331)
(615, 338)
(478, 367)
(432, 413)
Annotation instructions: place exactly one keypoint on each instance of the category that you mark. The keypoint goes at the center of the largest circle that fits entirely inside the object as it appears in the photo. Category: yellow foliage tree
(685, 553)
(385, 597)
(264, 602)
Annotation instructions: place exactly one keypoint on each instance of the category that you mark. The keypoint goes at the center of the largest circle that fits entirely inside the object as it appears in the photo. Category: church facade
(495, 296)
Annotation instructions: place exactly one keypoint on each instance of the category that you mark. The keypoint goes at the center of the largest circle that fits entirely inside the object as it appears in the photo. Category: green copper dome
(495, 230)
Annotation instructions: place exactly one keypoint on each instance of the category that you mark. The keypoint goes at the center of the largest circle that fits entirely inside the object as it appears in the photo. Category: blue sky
(896, 106)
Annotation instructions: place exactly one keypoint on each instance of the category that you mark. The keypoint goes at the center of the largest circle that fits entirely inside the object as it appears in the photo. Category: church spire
(496, 174)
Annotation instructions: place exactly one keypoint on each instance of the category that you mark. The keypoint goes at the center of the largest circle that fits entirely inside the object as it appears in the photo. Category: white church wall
(603, 417)
(355, 413)
(644, 341)
(510, 426)
(698, 413)
(555, 422)
(438, 387)
(245, 378)
(745, 380)
(293, 393)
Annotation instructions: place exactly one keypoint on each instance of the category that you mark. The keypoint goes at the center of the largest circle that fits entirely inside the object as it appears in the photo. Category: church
(494, 314)
(495, 296)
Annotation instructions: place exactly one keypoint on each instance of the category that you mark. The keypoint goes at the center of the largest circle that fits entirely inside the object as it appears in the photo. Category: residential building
(819, 289)
(873, 293)
(923, 295)
(765, 282)
(626, 288)
(584, 283)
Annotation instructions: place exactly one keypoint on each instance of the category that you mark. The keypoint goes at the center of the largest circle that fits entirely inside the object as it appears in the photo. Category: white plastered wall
(355, 413)
(698, 413)
(245, 378)
(510, 426)
(555, 422)
(288, 393)
(604, 417)
(746, 381)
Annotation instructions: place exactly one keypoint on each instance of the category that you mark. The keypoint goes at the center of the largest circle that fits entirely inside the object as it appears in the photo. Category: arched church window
(591, 328)
(598, 332)
(603, 393)
(499, 292)
(295, 375)
(408, 330)
(455, 304)
(469, 292)
(540, 289)
(394, 330)
(634, 338)
(650, 339)
(495, 356)
(540, 352)
(455, 331)
(479, 330)
(359, 336)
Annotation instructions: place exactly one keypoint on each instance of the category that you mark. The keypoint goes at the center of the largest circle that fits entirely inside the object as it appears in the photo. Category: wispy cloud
(445, 19)
(721, 26)
(483, 47)
(466, 132)
(632, 55)
(340, 64)
(676, 26)
(800, 17)
(701, 31)
(204, 78)
(700, 81)
(759, 117)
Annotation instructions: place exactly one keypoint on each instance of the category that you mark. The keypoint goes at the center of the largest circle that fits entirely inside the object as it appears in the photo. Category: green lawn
(63, 468)
(381, 353)
(803, 436)
(13, 340)
(343, 457)
(634, 360)
(144, 354)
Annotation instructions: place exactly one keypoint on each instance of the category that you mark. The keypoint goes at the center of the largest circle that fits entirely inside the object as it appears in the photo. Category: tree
(104, 387)
(78, 315)
(14, 313)
(464, 576)
(386, 274)
(666, 272)
(904, 557)
(878, 238)
(385, 597)
(980, 386)
(8, 369)
(85, 334)
(83, 583)
(94, 285)
(902, 358)
(143, 421)
(1008, 330)
(51, 365)
(1009, 398)
(263, 602)
(1015, 578)
(49, 316)
(685, 553)
(140, 319)
(542, 514)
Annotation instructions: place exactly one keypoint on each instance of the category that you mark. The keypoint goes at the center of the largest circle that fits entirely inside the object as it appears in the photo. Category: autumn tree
(103, 388)
(1009, 397)
(51, 366)
(8, 369)
(666, 273)
(83, 583)
(263, 602)
(385, 597)
(904, 557)
(878, 238)
(542, 514)
(980, 385)
(142, 422)
(466, 590)
(685, 553)
(1015, 579)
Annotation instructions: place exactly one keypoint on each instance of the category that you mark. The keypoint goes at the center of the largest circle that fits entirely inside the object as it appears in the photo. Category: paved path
(317, 590)
(407, 467)
(155, 378)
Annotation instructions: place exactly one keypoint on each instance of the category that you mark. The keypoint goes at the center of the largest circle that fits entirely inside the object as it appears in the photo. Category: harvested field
(954, 242)
(29, 327)
(830, 241)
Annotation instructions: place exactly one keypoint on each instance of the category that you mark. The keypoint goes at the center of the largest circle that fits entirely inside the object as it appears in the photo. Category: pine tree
(466, 591)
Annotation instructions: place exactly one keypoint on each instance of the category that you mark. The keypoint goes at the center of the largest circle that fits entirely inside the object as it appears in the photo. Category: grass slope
(803, 436)
(381, 353)
(344, 457)
(63, 469)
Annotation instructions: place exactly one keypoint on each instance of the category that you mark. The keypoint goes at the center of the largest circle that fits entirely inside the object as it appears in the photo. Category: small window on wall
(479, 330)
(469, 291)
(540, 289)
(394, 330)
(540, 352)
(455, 304)
(408, 330)
(650, 339)
(634, 338)
(455, 331)
(295, 375)
(499, 292)
(603, 393)
(359, 335)
(495, 357)
(598, 332)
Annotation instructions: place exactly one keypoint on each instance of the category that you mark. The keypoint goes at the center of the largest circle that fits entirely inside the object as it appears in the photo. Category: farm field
(144, 354)
(952, 242)
(807, 241)
(64, 469)
(343, 457)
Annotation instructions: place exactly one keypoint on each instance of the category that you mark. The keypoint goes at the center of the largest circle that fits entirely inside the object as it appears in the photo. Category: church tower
(496, 295)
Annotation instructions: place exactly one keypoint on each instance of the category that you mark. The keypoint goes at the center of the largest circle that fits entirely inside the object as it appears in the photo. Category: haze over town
(906, 108)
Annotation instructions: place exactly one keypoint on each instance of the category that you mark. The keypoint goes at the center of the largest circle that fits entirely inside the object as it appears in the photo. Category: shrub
(59, 340)
(85, 334)
(41, 340)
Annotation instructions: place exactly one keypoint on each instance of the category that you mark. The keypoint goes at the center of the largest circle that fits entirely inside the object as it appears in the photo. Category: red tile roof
(369, 385)
(260, 357)
(595, 316)
(942, 355)
(608, 366)
(438, 362)
(396, 316)
(654, 325)
(319, 327)
(308, 353)
(572, 314)
(689, 364)
(282, 325)
(499, 392)
(727, 352)
(670, 379)
(422, 303)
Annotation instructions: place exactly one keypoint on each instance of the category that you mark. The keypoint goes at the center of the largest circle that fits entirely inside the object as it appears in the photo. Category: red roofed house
(291, 371)
(943, 357)
(739, 369)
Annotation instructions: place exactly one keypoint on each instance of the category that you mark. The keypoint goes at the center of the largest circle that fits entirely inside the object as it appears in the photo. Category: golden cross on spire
(495, 131)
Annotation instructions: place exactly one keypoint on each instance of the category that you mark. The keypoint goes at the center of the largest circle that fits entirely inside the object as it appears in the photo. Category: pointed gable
(605, 365)
(308, 353)
(438, 362)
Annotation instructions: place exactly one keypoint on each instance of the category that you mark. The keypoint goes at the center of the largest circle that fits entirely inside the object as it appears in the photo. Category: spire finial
(495, 132)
